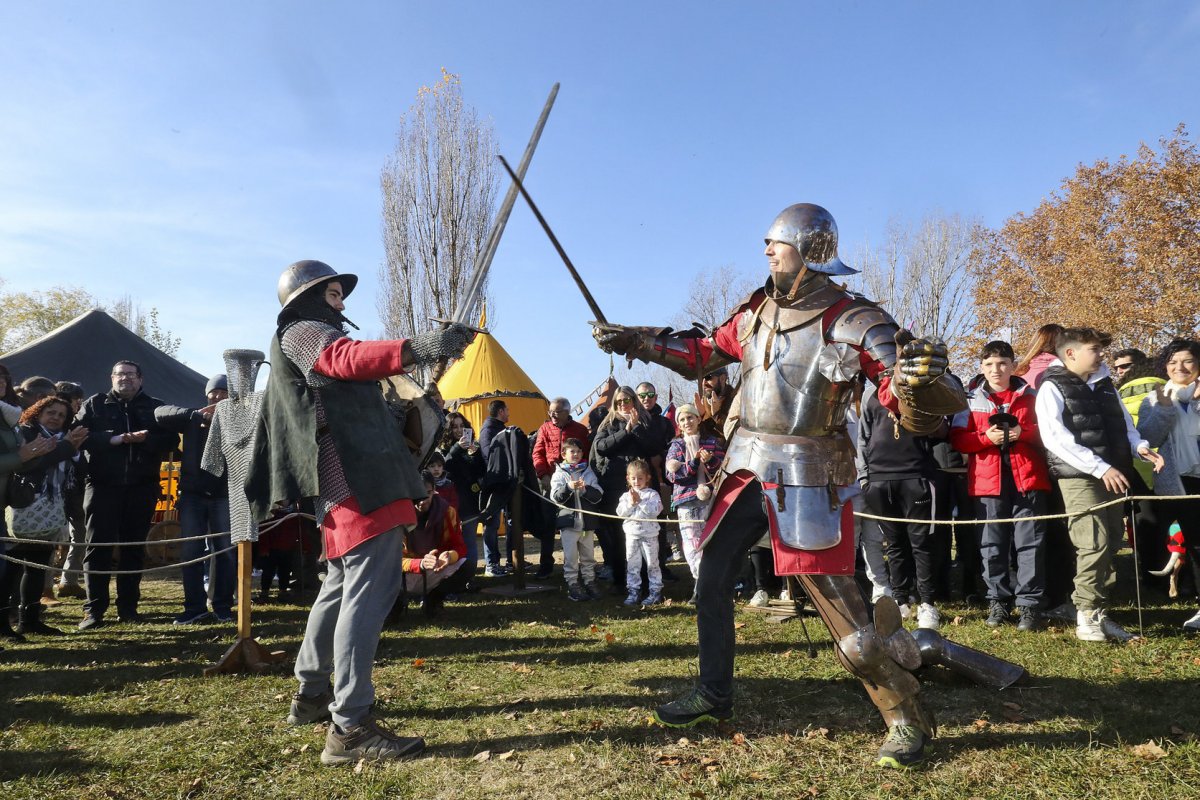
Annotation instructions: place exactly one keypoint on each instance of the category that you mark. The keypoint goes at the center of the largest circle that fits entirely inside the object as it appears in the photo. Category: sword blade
(465, 307)
(587, 295)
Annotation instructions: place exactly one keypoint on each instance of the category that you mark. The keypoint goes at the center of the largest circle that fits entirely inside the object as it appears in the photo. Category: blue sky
(184, 153)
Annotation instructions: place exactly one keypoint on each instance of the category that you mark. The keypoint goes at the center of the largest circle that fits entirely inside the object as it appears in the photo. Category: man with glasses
(125, 450)
(1125, 360)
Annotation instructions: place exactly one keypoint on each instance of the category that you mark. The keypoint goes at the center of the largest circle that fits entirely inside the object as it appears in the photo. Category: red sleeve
(347, 360)
(969, 439)
(540, 465)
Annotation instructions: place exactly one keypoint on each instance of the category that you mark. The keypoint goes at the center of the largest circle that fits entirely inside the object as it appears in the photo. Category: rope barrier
(263, 528)
(881, 518)
(208, 557)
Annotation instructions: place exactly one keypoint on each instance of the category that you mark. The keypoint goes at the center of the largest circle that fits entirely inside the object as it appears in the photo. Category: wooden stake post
(246, 654)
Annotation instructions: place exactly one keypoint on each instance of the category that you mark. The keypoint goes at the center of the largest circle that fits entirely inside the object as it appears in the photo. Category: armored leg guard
(983, 668)
(881, 653)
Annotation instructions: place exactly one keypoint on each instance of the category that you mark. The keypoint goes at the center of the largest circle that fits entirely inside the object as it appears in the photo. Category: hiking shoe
(576, 593)
(998, 614)
(1193, 624)
(495, 572)
(90, 621)
(593, 593)
(760, 599)
(631, 599)
(307, 710)
(191, 619)
(1114, 631)
(903, 747)
(71, 590)
(224, 616)
(369, 741)
(652, 599)
(928, 617)
(692, 709)
(1065, 612)
(1030, 619)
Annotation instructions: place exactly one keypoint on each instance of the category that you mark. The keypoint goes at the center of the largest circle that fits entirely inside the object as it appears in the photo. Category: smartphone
(467, 437)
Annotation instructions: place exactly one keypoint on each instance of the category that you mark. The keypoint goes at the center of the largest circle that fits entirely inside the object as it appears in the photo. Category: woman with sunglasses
(624, 436)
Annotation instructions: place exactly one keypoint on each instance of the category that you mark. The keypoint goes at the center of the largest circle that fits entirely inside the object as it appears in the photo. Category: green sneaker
(904, 747)
(691, 709)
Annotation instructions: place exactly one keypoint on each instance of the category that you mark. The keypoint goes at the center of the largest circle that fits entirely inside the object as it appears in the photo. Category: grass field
(540, 697)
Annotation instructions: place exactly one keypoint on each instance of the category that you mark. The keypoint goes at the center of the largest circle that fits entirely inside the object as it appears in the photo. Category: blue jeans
(470, 533)
(199, 516)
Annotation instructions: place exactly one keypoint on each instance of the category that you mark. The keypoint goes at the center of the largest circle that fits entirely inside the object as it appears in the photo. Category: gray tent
(85, 349)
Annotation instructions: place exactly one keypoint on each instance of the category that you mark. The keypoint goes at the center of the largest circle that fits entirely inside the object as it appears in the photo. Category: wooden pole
(246, 654)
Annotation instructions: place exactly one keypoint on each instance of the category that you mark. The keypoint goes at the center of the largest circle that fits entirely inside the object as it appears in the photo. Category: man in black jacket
(126, 448)
(203, 509)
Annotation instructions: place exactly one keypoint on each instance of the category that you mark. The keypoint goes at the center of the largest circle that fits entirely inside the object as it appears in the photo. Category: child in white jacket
(641, 506)
(575, 485)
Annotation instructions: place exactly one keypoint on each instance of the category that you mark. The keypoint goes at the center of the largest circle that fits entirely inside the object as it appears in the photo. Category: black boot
(31, 622)
(6, 630)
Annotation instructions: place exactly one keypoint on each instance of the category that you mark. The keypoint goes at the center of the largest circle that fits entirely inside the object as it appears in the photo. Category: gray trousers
(999, 539)
(344, 626)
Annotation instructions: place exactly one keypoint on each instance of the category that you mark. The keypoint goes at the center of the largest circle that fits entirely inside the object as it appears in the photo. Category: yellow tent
(487, 372)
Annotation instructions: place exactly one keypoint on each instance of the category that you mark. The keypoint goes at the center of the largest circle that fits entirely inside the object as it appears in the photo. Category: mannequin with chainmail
(802, 341)
(231, 438)
(326, 434)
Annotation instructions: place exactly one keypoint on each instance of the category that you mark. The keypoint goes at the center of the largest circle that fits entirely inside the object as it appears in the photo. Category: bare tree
(921, 276)
(439, 189)
(129, 313)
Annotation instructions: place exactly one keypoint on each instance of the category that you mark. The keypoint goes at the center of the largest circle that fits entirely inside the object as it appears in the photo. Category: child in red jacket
(1007, 474)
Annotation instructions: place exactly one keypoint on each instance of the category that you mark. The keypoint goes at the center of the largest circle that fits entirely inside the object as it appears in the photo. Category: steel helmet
(812, 231)
(305, 274)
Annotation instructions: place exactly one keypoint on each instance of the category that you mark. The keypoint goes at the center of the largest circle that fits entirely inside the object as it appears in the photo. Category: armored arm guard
(690, 353)
(923, 390)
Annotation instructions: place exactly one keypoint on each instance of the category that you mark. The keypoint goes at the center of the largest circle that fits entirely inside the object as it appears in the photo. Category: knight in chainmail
(326, 434)
(231, 437)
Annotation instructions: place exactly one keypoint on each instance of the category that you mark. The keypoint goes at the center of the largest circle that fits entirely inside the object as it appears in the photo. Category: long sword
(470, 299)
(587, 295)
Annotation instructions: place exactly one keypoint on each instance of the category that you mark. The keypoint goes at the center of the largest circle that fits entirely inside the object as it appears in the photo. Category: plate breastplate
(794, 394)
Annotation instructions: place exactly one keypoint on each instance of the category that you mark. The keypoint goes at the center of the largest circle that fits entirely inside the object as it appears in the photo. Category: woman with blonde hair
(622, 437)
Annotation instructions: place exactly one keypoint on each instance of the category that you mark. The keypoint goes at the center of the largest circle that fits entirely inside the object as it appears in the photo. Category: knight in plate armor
(802, 341)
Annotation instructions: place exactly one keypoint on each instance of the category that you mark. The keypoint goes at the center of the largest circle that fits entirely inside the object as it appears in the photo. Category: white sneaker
(905, 611)
(1193, 624)
(928, 617)
(786, 597)
(760, 599)
(1087, 625)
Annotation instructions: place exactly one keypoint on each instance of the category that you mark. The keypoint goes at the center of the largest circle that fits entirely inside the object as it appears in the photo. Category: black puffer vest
(1095, 418)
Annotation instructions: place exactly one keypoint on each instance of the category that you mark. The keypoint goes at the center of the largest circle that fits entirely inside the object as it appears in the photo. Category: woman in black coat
(624, 435)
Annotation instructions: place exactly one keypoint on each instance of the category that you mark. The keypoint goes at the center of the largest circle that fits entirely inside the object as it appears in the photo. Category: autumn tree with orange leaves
(1117, 247)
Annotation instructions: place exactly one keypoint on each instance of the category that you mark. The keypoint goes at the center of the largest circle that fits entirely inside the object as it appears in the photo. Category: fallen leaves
(1150, 751)
(817, 733)
(482, 756)
(418, 663)
(609, 638)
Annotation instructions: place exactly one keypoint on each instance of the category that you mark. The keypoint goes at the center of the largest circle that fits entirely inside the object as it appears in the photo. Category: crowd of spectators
(1052, 431)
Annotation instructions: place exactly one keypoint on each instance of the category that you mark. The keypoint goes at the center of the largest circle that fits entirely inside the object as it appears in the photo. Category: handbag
(46, 514)
(20, 492)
